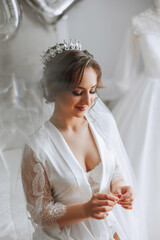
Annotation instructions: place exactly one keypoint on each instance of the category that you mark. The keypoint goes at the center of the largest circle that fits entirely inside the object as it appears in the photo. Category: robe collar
(75, 167)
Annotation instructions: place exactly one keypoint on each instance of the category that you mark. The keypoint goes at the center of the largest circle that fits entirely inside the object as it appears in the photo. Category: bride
(76, 176)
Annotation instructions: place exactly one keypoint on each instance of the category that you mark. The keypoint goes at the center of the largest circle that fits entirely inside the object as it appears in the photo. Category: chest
(66, 176)
(84, 148)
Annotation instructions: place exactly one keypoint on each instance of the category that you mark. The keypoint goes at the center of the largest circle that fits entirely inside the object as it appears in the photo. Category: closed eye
(75, 93)
(93, 92)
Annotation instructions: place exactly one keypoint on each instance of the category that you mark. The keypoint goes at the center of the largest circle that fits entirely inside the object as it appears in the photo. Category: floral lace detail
(54, 211)
(38, 180)
(146, 22)
(51, 212)
(116, 175)
(42, 132)
(40, 202)
(94, 178)
(41, 157)
(94, 185)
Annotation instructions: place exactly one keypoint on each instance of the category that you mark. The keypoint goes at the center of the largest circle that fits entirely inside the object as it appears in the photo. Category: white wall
(102, 25)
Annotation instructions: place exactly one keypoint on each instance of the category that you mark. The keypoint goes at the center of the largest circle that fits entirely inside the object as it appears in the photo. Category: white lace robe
(53, 178)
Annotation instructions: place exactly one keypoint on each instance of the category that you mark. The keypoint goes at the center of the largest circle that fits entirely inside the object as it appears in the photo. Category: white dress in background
(137, 111)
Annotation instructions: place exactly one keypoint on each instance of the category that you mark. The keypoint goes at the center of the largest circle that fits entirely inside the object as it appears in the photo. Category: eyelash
(79, 94)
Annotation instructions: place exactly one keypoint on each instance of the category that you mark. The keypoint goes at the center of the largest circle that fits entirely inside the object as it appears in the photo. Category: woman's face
(75, 103)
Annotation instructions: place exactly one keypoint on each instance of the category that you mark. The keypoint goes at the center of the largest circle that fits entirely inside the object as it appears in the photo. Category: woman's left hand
(126, 196)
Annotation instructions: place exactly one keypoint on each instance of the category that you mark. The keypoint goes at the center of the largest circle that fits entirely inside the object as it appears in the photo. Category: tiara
(59, 48)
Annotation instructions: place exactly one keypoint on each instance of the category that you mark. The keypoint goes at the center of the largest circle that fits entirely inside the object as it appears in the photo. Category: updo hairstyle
(64, 72)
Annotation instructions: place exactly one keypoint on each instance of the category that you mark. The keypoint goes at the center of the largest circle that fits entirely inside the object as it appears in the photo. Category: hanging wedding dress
(137, 111)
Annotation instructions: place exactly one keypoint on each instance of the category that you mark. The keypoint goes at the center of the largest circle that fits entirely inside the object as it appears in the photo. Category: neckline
(68, 148)
(92, 170)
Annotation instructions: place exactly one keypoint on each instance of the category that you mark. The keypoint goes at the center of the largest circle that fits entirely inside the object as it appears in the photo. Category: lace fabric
(116, 175)
(146, 22)
(94, 179)
(40, 202)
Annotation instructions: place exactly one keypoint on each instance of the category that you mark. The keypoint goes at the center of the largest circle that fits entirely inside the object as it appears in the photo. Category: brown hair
(65, 72)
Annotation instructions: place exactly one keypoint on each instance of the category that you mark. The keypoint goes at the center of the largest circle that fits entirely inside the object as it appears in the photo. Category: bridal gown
(53, 179)
(137, 111)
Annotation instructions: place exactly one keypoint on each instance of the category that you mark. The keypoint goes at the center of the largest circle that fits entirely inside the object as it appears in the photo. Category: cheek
(70, 100)
(73, 100)
(64, 101)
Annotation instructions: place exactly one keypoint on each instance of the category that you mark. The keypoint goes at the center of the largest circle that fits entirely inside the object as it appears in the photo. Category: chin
(80, 115)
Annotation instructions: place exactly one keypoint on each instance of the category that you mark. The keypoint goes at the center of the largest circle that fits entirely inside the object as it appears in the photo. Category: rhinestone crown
(59, 48)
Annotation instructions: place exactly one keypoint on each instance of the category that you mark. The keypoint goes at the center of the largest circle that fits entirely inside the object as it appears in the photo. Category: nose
(86, 100)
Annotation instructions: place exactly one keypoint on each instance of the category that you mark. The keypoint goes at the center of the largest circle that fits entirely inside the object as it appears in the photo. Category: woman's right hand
(99, 205)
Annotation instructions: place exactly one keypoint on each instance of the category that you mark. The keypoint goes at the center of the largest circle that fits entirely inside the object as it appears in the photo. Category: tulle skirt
(137, 115)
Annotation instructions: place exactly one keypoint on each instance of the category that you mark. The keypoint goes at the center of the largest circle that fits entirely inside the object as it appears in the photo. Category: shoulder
(36, 144)
(39, 136)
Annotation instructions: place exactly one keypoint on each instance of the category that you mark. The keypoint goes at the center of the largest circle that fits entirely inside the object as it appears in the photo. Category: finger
(130, 200)
(126, 204)
(128, 208)
(126, 195)
(107, 196)
(118, 192)
(104, 209)
(119, 195)
(100, 196)
(100, 216)
(106, 203)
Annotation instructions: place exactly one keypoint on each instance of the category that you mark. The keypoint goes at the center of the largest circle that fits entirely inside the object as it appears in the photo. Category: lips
(81, 108)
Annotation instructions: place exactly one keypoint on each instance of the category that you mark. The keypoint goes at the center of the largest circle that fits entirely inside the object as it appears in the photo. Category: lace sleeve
(40, 203)
(134, 27)
(116, 175)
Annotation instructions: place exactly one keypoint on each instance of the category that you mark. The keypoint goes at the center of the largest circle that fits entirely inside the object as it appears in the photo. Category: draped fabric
(136, 110)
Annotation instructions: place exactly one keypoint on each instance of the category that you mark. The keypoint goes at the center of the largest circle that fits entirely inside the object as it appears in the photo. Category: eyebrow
(84, 88)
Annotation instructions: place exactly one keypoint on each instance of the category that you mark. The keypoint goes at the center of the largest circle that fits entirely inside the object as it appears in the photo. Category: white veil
(132, 223)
